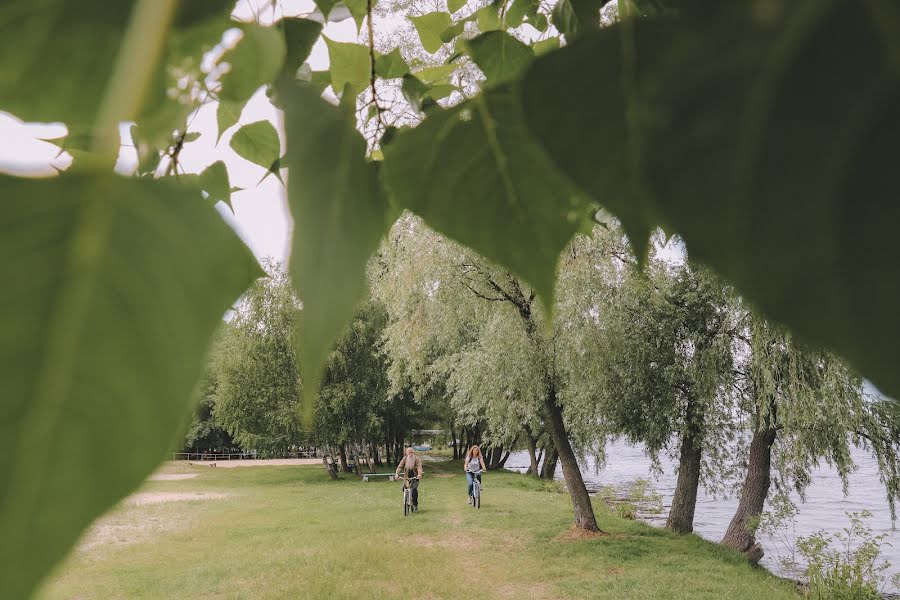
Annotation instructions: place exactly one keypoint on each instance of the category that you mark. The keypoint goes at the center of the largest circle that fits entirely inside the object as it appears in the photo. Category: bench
(366, 476)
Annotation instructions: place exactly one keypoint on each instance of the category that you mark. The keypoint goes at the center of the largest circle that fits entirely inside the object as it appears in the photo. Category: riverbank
(824, 508)
(290, 532)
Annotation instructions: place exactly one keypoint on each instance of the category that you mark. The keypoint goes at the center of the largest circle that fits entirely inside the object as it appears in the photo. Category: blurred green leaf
(325, 7)
(391, 65)
(518, 10)
(227, 115)
(320, 80)
(775, 161)
(358, 10)
(108, 309)
(451, 32)
(58, 55)
(430, 27)
(255, 61)
(474, 171)
(339, 213)
(455, 5)
(214, 181)
(440, 90)
(500, 56)
(299, 35)
(545, 46)
(538, 21)
(349, 64)
(574, 17)
(257, 142)
(415, 92)
(432, 75)
(487, 18)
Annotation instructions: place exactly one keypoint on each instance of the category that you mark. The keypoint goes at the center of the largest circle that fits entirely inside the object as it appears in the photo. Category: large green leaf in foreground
(111, 289)
(340, 214)
(474, 174)
(769, 144)
(499, 55)
(256, 60)
(58, 55)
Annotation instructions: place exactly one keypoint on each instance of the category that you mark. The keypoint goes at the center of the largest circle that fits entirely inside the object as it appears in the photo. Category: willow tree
(662, 371)
(257, 398)
(806, 406)
(500, 361)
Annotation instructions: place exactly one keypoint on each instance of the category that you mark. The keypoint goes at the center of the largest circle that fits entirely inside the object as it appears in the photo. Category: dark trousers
(414, 487)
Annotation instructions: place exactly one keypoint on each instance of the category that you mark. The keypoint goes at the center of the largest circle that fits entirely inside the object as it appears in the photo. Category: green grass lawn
(290, 532)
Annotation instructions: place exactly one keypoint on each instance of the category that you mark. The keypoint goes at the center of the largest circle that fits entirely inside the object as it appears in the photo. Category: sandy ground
(142, 498)
(256, 462)
(171, 476)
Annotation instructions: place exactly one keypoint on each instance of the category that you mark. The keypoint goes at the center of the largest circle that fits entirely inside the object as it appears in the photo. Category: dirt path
(255, 462)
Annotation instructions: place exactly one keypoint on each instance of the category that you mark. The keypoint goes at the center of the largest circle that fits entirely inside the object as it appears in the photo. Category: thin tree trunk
(532, 453)
(548, 469)
(343, 454)
(540, 457)
(502, 458)
(373, 448)
(684, 501)
(496, 455)
(753, 495)
(357, 463)
(581, 501)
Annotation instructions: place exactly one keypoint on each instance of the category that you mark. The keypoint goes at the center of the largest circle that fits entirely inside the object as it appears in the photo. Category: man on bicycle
(413, 467)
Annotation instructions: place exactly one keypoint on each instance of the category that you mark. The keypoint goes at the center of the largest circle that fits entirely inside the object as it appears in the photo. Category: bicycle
(407, 495)
(476, 489)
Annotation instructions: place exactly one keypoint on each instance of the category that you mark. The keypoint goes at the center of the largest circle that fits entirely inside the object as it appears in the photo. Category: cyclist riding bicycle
(473, 466)
(412, 465)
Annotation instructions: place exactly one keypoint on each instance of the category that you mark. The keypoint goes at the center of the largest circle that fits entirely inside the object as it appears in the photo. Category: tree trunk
(373, 449)
(684, 501)
(357, 463)
(343, 454)
(753, 495)
(496, 455)
(502, 458)
(581, 501)
(532, 453)
(548, 469)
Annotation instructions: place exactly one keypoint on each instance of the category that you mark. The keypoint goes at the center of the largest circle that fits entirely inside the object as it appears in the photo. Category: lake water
(824, 509)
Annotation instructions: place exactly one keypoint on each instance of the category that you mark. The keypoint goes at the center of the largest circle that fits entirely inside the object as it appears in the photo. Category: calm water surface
(825, 505)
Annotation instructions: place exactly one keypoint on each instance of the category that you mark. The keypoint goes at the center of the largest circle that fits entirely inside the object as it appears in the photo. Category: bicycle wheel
(478, 496)
(405, 502)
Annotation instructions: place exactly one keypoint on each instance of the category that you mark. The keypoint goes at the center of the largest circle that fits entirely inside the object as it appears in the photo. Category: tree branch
(379, 122)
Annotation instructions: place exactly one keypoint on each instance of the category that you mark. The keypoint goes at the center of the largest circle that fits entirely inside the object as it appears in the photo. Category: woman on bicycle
(473, 466)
